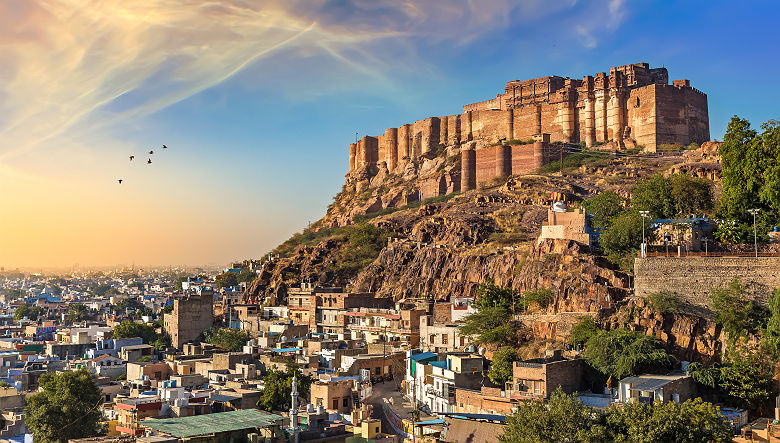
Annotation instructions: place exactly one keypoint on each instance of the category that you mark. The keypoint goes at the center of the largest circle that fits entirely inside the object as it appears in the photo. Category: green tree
(620, 353)
(501, 367)
(584, 330)
(101, 290)
(691, 195)
(123, 305)
(67, 406)
(226, 280)
(624, 237)
(275, 395)
(490, 295)
(31, 312)
(743, 379)
(751, 171)
(563, 419)
(489, 325)
(655, 195)
(770, 336)
(604, 208)
(77, 312)
(246, 276)
(227, 339)
(735, 312)
(130, 329)
(690, 422)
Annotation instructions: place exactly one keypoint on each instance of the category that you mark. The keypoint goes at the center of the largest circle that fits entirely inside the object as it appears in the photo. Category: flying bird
(149, 162)
(151, 152)
(165, 147)
(120, 181)
(132, 157)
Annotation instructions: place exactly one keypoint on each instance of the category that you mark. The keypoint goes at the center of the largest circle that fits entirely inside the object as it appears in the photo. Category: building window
(444, 339)
(432, 339)
(345, 403)
(335, 403)
(378, 371)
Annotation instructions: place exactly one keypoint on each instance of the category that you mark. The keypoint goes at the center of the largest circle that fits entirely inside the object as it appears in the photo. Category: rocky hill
(378, 237)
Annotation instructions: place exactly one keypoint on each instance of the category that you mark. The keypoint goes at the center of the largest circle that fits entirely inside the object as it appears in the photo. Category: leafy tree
(167, 309)
(735, 312)
(624, 236)
(563, 418)
(655, 195)
(228, 339)
(584, 330)
(77, 312)
(744, 379)
(620, 353)
(226, 280)
(127, 303)
(690, 195)
(566, 419)
(490, 295)
(246, 276)
(101, 290)
(501, 367)
(66, 407)
(31, 312)
(751, 171)
(770, 337)
(489, 325)
(604, 208)
(275, 395)
(130, 329)
(692, 421)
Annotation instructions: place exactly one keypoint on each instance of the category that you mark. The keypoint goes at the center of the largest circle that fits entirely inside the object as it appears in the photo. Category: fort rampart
(633, 104)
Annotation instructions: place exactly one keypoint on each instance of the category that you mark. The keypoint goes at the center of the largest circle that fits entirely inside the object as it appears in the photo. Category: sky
(257, 102)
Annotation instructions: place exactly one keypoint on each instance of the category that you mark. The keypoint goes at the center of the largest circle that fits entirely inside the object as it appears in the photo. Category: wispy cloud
(69, 66)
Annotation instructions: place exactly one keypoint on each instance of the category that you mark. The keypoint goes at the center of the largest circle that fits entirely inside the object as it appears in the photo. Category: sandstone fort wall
(693, 278)
(632, 103)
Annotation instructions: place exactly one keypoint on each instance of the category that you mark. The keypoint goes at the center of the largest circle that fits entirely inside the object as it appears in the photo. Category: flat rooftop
(212, 423)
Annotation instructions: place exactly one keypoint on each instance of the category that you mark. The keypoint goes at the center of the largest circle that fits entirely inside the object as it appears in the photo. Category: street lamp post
(705, 240)
(755, 233)
(644, 214)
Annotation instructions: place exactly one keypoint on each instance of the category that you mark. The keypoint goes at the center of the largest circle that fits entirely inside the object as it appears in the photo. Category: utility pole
(644, 214)
(755, 233)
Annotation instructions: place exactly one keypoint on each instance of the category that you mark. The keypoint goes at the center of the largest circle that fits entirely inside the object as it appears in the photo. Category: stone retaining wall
(692, 278)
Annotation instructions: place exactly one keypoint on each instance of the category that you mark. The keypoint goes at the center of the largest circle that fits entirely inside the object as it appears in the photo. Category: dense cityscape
(521, 222)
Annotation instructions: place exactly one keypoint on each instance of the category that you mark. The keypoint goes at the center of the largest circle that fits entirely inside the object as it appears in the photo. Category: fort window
(636, 102)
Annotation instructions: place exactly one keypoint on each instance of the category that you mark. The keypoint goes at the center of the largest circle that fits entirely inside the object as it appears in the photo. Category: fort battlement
(631, 105)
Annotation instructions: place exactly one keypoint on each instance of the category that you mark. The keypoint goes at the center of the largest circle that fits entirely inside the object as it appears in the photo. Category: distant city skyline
(258, 106)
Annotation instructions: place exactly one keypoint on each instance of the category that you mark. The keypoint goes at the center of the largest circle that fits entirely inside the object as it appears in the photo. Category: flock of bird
(148, 161)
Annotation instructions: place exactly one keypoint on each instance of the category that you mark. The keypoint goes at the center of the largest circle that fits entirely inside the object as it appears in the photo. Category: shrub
(541, 297)
(584, 330)
(663, 302)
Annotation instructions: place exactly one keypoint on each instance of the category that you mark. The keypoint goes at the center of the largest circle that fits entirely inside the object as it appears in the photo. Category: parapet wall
(693, 278)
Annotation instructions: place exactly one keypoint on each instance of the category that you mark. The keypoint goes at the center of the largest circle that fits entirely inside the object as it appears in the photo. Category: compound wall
(693, 278)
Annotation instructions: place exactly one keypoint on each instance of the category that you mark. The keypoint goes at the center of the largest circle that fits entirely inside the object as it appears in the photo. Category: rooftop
(212, 423)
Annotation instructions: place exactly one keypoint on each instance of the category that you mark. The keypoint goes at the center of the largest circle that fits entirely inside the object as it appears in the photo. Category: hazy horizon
(257, 105)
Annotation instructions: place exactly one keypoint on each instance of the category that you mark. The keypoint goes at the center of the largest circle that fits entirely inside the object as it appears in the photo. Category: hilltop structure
(523, 127)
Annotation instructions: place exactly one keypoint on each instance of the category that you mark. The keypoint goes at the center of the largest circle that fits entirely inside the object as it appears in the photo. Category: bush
(735, 312)
(541, 297)
(663, 302)
(584, 330)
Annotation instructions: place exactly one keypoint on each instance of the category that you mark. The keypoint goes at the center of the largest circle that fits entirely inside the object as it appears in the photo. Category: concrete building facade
(190, 317)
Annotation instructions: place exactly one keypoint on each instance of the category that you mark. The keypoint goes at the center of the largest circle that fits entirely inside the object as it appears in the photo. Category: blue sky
(258, 103)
